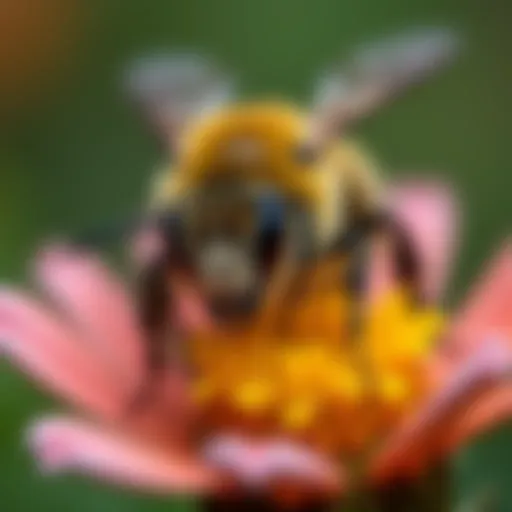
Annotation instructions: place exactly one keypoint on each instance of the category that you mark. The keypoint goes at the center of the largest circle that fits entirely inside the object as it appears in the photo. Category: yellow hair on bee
(275, 129)
(260, 143)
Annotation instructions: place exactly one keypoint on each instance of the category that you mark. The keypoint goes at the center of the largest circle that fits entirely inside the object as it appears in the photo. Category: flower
(84, 344)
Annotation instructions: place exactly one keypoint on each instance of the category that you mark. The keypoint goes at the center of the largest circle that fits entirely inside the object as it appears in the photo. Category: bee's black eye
(305, 154)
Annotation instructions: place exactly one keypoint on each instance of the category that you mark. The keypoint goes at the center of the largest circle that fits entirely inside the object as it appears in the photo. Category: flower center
(313, 383)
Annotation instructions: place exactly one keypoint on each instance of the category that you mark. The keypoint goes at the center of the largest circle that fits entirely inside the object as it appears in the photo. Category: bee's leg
(288, 281)
(355, 284)
(407, 263)
(154, 311)
(156, 302)
(353, 243)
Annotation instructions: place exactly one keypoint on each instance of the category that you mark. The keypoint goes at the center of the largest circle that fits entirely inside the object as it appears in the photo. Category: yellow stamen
(305, 374)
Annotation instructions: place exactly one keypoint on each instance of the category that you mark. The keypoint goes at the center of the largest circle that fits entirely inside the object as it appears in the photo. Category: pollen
(253, 396)
(299, 415)
(327, 389)
(394, 389)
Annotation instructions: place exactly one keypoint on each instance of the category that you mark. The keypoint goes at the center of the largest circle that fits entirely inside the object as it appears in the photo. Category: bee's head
(230, 246)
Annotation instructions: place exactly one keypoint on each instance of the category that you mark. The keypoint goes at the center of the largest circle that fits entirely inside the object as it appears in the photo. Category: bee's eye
(305, 154)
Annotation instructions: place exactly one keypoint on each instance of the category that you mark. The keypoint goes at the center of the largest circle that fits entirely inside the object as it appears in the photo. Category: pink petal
(67, 444)
(98, 303)
(409, 446)
(430, 213)
(54, 355)
(492, 409)
(259, 463)
(169, 413)
(489, 307)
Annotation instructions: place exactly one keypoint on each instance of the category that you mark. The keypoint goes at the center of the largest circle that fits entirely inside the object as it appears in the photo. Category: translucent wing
(378, 73)
(172, 88)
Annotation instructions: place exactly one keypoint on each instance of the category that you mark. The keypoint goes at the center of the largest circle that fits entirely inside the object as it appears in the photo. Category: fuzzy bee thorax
(259, 144)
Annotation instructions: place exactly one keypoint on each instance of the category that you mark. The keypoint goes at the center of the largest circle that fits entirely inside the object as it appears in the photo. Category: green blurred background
(72, 153)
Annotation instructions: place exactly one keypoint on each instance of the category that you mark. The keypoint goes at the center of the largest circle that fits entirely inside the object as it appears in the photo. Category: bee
(259, 191)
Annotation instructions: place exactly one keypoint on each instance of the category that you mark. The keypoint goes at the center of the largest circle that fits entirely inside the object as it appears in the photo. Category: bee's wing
(378, 73)
(172, 88)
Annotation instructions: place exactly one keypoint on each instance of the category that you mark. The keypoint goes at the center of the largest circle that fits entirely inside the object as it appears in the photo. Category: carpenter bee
(259, 191)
